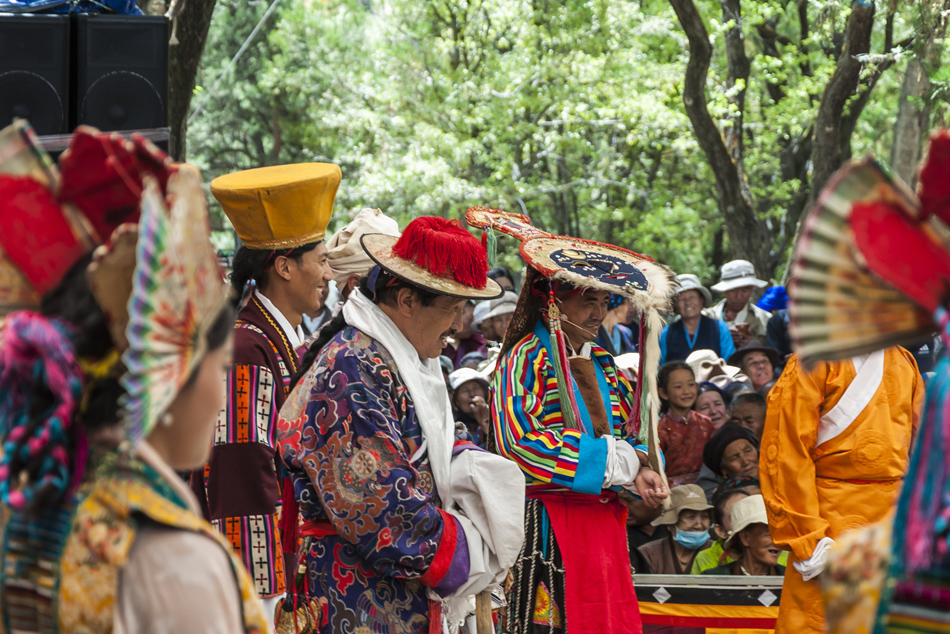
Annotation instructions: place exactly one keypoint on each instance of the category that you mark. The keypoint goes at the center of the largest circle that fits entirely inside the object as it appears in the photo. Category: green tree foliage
(570, 111)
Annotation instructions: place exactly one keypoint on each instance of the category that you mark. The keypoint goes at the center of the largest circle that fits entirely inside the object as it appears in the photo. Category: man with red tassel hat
(567, 417)
(403, 523)
(281, 215)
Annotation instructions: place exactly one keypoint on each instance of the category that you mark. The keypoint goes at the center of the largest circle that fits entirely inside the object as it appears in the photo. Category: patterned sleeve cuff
(591, 465)
(450, 566)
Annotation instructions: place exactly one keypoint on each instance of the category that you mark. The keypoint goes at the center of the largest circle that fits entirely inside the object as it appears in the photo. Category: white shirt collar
(294, 336)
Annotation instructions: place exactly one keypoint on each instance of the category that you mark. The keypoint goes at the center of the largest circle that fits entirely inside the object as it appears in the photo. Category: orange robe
(848, 481)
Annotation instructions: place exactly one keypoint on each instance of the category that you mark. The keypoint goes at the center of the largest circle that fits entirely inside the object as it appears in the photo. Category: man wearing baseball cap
(745, 320)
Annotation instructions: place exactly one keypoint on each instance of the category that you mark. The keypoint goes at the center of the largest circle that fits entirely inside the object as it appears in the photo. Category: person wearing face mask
(749, 542)
(688, 521)
(403, 520)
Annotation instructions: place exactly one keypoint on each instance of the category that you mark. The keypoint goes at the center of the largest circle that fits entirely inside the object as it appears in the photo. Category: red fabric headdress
(36, 236)
(44, 232)
(102, 175)
(934, 179)
(445, 249)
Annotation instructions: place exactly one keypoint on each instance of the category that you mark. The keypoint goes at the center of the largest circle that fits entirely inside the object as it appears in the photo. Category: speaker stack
(107, 71)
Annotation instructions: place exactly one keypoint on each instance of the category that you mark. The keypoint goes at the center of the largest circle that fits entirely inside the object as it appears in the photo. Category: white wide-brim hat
(464, 375)
(736, 274)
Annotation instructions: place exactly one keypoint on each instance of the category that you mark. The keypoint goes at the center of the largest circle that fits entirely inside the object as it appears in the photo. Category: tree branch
(746, 234)
(827, 155)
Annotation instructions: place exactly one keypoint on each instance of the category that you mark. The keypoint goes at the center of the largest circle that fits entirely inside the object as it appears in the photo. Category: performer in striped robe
(280, 214)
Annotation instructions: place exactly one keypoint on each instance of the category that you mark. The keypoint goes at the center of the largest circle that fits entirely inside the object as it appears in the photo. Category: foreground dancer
(281, 215)
(837, 438)
(560, 408)
(108, 391)
(864, 218)
(402, 523)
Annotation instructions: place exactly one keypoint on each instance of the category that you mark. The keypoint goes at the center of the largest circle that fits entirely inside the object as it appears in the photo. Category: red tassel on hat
(445, 249)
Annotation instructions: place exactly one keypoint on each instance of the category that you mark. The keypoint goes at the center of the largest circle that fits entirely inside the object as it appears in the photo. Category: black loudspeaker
(121, 80)
(34, 71)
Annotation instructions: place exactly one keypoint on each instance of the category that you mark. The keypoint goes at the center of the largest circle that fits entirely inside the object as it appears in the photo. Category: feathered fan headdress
(587, 264)
(178, 291)
(873, 263)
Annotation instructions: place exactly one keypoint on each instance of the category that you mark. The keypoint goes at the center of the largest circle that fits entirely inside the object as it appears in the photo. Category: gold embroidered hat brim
(380, 248)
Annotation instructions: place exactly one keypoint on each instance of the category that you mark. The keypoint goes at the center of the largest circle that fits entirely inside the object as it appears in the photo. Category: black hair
(663, 379)
(73, 301)
(720, 506)
(709, 386)
(753, 398)
(502, 271)
(253, 264)
(386, 292)
(733, 389)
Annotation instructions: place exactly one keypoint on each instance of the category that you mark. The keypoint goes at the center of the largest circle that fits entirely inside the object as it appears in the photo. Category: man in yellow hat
(281, 214)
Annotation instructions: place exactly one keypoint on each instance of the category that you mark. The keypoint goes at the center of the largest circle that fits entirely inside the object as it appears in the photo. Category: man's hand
(480, 412)
(650, 487)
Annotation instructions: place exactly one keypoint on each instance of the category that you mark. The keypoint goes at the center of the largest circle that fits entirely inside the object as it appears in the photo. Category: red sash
(591, 532)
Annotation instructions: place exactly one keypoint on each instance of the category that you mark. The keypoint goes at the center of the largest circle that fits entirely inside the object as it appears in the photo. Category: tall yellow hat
(279, 207)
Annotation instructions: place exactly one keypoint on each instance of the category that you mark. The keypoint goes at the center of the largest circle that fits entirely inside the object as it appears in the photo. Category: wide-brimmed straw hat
(736, 274)
(686, 497)
(746, 512)
(437, 255)
(689, 282)
(735, 359)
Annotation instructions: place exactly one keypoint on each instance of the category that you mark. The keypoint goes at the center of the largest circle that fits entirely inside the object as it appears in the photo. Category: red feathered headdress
(436, 254)
(445, 249)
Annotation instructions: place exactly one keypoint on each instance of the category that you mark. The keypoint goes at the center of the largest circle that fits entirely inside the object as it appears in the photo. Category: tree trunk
(748, 238)
(826, 147)
(913, 117)
(183, 61)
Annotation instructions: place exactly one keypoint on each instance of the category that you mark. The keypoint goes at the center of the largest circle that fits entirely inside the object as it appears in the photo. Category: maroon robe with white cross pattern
(239, 488)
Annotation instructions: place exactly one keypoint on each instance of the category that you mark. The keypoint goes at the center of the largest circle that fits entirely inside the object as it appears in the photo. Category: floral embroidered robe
(354, 452)
(240, 487)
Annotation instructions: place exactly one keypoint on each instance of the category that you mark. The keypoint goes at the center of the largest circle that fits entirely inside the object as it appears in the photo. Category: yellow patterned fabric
(103, 531)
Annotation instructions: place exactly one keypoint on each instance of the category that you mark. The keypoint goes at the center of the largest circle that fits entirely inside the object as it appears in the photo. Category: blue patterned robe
(350, 439)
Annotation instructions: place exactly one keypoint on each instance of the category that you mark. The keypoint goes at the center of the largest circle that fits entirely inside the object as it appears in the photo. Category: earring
(166, 420)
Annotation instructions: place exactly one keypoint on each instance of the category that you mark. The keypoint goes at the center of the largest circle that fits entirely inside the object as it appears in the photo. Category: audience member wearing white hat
(745, 320)
(348, 261)
(750, 543)
(693, 330)
(470, 402)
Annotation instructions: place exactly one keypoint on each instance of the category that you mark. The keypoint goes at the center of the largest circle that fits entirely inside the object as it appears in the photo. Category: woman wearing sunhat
(392, 505)
(688, 519)
(749, 542)
(693, 330)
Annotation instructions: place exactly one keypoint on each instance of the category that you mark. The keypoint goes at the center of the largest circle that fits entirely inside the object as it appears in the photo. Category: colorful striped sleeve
(528, 426)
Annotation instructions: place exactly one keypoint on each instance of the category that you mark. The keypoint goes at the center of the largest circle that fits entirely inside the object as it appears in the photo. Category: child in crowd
(748, 410)
(683, 431)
